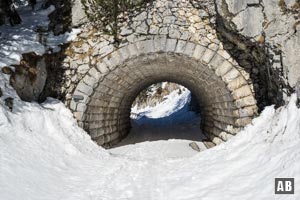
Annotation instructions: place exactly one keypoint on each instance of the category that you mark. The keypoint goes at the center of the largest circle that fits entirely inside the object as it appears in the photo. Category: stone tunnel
(108, 90)
(175, 41)
(166, 42)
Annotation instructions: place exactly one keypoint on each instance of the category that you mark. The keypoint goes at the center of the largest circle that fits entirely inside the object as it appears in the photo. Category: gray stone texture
(168, 40)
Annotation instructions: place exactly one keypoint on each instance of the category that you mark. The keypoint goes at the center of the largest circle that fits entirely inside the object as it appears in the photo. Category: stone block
(198, 52)
(189, 49)
(160, 43)
(241, 122)
(208, 55)
(171, 45)
(241, 92)
(102, 67)
(95, 74)
(231, 75)
(236, 83)
(223, 68)
(145, 46)
(217, 141)
(124, 52)
(81, 94)
(78, 116)
(106, 50)
(180, 46)
(84, 88)
(83, 69)
(246, 101)
(216, 61)
(90, 81)
(224, 54)
(81, 107)
(245, 112)
(133, 51)
(73, 105)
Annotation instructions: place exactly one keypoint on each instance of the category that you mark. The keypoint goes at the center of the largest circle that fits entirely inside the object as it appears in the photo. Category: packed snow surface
(45, 155)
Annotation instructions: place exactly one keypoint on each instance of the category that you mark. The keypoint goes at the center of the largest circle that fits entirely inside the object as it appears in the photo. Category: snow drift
(45, 155)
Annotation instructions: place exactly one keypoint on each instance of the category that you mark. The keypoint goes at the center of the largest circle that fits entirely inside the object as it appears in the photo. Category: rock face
(78, 14)
(29, 77)
(275, 23)
(155, 93)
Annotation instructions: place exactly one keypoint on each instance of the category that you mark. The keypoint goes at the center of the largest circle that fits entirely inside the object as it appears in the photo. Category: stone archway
(107, 91)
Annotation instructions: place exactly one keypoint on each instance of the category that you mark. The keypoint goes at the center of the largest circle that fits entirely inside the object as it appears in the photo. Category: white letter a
(280, 186)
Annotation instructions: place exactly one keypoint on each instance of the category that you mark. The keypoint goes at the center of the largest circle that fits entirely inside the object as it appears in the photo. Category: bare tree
(105, 13)
(8, 11)
(32, 3)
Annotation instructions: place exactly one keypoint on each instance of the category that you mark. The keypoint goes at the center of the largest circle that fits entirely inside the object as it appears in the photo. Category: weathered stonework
(263, 37)
(235, 56)
(167, 41)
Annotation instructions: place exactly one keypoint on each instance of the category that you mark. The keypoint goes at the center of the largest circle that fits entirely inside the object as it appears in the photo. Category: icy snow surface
(44, 155)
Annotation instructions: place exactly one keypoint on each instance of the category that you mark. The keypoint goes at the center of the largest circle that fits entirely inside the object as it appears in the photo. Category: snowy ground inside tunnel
(170, 123)
(45, 155)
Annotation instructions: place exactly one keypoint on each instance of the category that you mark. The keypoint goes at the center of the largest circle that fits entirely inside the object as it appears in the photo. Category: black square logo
(284, 186)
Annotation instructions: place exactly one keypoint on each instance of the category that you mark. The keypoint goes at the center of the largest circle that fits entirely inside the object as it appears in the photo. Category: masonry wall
(167, 41)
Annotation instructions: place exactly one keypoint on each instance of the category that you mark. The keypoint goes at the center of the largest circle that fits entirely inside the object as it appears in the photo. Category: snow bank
(44, 155)
(39, 146)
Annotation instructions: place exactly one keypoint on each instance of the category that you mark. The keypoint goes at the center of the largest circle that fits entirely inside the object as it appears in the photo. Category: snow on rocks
(25, 38)
(173, 102)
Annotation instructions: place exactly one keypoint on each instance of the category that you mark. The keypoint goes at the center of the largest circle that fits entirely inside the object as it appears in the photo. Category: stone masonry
(166, 41)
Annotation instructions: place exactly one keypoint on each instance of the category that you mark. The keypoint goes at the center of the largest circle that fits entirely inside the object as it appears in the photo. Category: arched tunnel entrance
(227, 103)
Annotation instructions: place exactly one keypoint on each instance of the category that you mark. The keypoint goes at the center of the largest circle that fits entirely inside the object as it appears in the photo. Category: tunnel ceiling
(108, 89)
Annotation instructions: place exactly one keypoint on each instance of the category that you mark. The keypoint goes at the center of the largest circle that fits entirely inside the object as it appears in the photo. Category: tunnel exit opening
(163, 111)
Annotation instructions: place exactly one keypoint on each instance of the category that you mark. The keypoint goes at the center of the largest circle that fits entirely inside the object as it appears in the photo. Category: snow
(169, 119)
(45, 155)
(23, 38)
(172, 103)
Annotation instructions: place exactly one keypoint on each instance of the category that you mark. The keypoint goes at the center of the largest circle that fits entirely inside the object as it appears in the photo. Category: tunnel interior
(164, 111)
(107, 116)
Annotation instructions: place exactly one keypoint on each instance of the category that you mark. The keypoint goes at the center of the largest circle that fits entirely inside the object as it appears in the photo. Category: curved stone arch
(233, 107)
